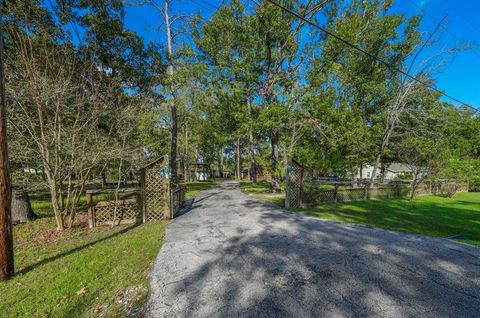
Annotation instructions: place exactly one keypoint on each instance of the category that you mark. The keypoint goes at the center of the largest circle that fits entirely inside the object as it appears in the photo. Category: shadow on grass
(47, 260)
(425, 216)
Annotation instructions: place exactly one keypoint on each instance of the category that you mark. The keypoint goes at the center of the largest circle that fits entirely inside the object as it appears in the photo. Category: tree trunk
(375, 168)
(21, 208)
(237, 160)
(274, 138)
(185, 154)
(414, 185)
(6, 234)
(173, 98)
(252, 173)
(104, 179)
(250, 156)
(55, 199)
(221, 167)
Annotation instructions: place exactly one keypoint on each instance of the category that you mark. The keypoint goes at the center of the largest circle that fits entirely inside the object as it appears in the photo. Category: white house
(390, 172)
(32, 170)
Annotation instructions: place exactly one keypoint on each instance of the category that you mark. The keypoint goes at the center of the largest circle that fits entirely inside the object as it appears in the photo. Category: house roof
(394, 167)
(398, 167)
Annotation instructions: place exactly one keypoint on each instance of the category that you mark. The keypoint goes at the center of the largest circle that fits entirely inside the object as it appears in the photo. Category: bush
(474, 185)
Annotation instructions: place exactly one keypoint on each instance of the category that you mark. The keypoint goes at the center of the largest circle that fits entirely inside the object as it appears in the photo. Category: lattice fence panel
(156, 194)
(380, 193)
(320, 196)
(120, 212)
(351, 195)
(293, 198)
(313, 194)
(425, 189)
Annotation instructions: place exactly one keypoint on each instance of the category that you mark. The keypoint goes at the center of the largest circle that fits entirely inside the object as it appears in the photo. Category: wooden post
(143, 196)
(365, 193)
(287, 186)
(6, 234)
(300, 188)
(335, 193)
(91, 217)
(172, 205)
(238, 172)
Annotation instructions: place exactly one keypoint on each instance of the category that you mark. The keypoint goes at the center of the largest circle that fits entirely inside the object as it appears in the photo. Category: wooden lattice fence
(313, 194)
(303, 190)
(177, 198)
(294, 183)
(156, 199)
(111, 211)
(155, 190)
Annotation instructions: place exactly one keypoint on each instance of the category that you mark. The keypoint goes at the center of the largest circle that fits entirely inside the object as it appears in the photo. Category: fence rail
(112, 210)
(158, 198)
(311, 194)
(178, 198)
(304, 190)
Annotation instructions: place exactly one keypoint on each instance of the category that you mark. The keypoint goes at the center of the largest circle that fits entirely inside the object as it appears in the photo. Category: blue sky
(462, 77)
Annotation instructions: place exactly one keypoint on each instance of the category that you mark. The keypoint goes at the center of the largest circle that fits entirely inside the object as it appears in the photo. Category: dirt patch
(43, 232)
(129, 303)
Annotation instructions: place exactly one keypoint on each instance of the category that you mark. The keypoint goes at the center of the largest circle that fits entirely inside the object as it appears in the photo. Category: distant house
(32, 170)
(387, 172)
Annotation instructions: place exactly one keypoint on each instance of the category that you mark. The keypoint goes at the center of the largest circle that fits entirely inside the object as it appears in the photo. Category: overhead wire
(371, 55)
(463, 16)
(201, 6)
(475, 51)
(358, 48)
(210, 5)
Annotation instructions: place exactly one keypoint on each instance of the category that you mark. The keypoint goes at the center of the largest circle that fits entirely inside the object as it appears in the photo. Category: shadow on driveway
(234, 256)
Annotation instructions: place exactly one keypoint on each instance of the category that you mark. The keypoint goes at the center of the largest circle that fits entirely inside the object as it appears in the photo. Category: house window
(368, 174)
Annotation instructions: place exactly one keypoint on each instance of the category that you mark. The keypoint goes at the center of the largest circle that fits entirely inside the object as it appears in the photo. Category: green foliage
(256, 75)
(428, 215)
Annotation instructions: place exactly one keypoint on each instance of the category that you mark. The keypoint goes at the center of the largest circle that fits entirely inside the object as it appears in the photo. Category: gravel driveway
(232, 255)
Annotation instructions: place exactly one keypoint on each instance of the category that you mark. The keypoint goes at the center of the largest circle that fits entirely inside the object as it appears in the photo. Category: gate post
(287, 187)
(91, 216)
(143, 199)
(294, 183)
(171, 199)
(335, 194)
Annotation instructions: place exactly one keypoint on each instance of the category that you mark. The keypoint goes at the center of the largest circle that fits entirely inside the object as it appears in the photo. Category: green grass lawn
(79, 272)
(263, 190)
(428, 215)
(194, 188)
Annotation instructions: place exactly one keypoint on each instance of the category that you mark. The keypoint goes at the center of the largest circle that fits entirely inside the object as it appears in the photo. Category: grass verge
(263, 190)
(194, 188)
(80, 272)
(428, 215)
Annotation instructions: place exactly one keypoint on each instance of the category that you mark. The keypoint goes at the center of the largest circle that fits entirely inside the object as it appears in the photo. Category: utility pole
(6, 235)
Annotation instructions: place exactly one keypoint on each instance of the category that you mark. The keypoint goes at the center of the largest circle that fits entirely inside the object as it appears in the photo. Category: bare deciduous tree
(58, 101)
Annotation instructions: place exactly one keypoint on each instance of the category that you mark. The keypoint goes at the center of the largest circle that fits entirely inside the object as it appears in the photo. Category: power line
(210, 5)
(446, 29)
(201, 6)
(439, 24)
(460, 13)
(372, 56)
